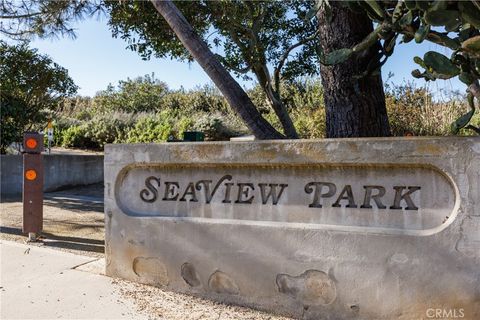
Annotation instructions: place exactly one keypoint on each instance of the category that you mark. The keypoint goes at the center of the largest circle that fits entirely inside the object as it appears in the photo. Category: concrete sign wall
(353, 228)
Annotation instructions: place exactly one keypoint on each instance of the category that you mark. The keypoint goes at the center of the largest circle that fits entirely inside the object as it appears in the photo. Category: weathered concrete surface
(414, 253)
(60, 171)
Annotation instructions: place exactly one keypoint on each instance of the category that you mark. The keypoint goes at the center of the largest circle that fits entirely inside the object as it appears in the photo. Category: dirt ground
(74, 222)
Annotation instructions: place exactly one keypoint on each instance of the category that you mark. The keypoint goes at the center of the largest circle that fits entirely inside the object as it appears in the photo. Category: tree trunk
(233, 92)
(265, 81)
(354, 107)
(281, 112)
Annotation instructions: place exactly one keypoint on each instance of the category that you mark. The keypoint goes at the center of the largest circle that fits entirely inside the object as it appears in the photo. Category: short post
(32, 184)
(50, 135)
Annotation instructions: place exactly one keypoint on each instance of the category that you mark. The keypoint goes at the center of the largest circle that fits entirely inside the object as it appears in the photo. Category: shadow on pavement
(63, 201)
(51, 240)
(71, 203)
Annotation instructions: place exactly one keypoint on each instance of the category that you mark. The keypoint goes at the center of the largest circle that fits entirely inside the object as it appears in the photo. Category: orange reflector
(31, 143)
(31, 174)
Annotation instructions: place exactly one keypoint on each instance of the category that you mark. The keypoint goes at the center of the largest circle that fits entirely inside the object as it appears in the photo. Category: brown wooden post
(32, 184)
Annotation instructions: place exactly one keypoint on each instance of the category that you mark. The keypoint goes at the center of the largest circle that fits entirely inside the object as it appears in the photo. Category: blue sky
(95, 59)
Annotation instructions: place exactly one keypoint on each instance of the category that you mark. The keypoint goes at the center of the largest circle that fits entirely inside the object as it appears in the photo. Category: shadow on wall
(60, 171)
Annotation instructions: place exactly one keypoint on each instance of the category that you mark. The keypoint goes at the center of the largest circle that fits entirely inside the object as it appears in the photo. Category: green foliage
(142, 94)
(94, 133)
(200, 99)
(472, 46)
(464, 119)
(337, 56)
(310, 123)
(440, 65)
(185, 124)
(247, 32)
(412, 111)
(110, 128)
(78, 107)
(61, 125)
(215, 127)
(152, 128)
(22, 20)
(264, 40)
(32, 87)
(75, 137)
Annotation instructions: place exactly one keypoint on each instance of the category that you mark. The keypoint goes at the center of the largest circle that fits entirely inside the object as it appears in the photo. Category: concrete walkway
(42, 283)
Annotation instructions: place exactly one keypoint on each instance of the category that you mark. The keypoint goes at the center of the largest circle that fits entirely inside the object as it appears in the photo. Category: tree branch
(228, 65)
(21, 16)
(474, 89)
(283, 58)
(13, 34)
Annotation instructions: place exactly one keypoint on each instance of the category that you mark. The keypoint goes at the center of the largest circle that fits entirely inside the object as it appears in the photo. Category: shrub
(109, 128)
(412, 110)
(75, 137)
(151, 128)
(184, 124)
(215, 127)
(310, 124)
(303, 94)
(80, 108)
(141, 94)
(60, 125)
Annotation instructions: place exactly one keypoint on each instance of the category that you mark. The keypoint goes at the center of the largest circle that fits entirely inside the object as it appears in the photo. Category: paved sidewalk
(40, 283)
(43, 283)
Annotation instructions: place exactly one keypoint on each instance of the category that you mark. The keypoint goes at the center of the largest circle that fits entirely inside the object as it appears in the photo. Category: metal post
(32, 184)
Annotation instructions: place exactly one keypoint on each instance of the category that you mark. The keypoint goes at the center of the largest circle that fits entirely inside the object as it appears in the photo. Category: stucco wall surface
(376, 228)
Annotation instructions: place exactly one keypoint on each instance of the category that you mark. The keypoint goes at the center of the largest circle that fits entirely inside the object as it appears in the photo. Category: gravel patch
(161, 304)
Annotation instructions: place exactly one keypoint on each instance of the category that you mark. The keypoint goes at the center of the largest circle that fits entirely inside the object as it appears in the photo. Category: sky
(95, 59)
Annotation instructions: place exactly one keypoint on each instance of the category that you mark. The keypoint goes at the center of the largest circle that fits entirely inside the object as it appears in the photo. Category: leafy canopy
(250, 38)
(32, 87)
(246, 34)
(22, 20)
(133, 95)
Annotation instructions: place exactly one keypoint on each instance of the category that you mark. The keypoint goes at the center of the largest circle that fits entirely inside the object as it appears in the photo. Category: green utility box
(193, 136)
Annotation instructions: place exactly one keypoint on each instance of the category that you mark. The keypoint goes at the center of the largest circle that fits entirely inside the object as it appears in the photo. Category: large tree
(256, 35)
(455, 25)
(31, 88)
(265, 40)
(354, 99)
(232, 91)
